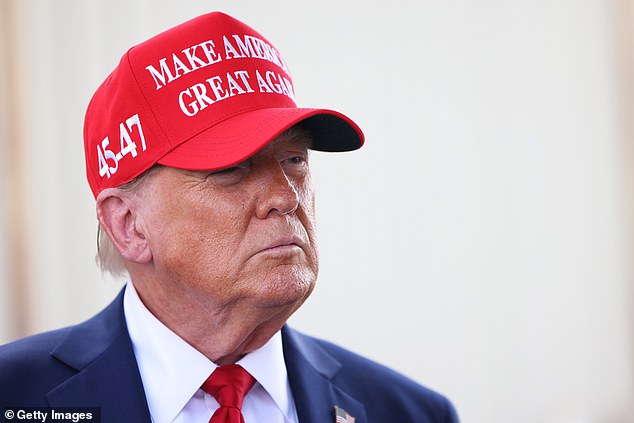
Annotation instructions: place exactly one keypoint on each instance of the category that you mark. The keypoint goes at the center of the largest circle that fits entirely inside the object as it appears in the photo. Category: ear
(120, 217)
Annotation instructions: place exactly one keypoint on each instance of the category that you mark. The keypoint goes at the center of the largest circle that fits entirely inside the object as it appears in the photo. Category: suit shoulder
(31, 348)
(28, 370)
(370, 371)
(380, 385)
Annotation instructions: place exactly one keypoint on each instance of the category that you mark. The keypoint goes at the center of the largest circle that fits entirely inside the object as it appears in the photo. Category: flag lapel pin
(342, 416)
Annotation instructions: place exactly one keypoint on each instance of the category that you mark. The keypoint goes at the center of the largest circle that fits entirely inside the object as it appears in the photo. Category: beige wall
(478, 242)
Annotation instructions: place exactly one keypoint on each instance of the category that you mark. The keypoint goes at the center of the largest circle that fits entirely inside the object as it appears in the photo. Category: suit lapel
(108, 376)
(311, 372)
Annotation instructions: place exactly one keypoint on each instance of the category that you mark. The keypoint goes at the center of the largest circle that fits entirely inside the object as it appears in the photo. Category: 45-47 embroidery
(127, 146)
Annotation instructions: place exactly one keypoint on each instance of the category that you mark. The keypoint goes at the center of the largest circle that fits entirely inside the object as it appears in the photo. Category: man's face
(243, 234)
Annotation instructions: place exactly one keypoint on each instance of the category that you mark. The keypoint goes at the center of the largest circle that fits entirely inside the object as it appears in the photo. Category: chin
(286, 290)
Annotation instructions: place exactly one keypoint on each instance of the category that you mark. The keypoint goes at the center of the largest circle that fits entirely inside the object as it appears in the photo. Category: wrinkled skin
(223, 258)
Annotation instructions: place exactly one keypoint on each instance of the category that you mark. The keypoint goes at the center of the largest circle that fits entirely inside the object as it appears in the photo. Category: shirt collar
(172, 370)
(267, 366)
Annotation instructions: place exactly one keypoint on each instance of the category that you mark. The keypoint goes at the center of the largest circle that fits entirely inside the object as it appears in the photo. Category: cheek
(194, 236)
(307, 205)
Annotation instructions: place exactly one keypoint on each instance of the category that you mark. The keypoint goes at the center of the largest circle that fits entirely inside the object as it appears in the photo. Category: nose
(277, 194)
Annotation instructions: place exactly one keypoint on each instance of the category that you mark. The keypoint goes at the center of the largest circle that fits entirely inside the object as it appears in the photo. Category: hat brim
(239, 137)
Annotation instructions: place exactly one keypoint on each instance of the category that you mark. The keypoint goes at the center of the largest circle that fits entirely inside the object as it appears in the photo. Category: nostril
(279, 193)
(278, 198)
(285, 201)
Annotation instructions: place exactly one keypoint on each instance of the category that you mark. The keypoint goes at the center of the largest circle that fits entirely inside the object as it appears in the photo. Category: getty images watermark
(51, 415)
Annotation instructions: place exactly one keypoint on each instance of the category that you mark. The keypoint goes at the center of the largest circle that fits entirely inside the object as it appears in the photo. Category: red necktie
(228, 385)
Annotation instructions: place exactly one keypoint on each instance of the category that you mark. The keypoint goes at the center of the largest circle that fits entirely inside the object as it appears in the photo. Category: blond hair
(108, 257)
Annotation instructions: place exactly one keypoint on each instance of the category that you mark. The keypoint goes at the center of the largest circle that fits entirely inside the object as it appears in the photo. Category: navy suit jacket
(93, 365)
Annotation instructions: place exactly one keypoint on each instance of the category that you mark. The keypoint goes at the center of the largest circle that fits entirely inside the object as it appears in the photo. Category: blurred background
(480, 242)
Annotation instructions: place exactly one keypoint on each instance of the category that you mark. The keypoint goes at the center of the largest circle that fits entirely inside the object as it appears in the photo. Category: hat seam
(141, 94)
(173, 145)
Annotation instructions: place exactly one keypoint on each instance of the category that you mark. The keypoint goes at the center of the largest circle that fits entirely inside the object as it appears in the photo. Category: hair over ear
(118, 214)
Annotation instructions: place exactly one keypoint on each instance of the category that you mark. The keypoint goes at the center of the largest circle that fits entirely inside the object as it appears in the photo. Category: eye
(229, 175)
(297, 160)
(226, 171)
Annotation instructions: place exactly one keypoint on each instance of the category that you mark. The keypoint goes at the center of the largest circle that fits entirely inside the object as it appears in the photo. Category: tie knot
(228, 385)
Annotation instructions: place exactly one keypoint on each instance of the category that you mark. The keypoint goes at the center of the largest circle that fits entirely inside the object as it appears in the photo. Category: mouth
(283, 246)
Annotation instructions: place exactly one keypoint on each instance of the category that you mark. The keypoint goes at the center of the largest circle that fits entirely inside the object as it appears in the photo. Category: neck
(225, 333)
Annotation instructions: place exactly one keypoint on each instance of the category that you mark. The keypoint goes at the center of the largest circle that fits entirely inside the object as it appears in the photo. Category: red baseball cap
(204, 95)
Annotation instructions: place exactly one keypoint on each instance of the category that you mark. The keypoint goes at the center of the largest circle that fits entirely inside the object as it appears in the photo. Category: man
(197, 156)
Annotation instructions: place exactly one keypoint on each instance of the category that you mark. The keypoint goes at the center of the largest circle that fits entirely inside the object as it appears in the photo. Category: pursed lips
(282, 244)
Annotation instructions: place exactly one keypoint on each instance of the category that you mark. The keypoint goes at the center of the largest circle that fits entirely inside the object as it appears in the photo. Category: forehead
(294, 135)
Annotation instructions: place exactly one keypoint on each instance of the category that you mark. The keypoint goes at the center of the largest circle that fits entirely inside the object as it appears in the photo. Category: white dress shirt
(172, 372)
